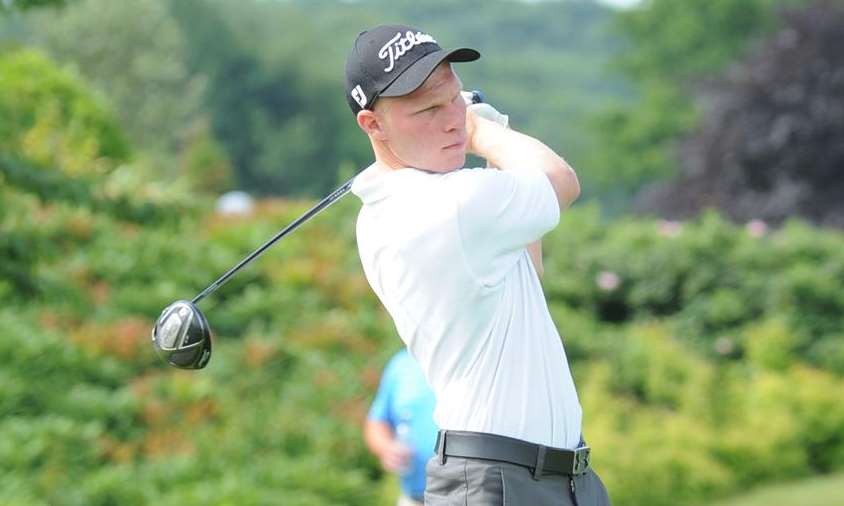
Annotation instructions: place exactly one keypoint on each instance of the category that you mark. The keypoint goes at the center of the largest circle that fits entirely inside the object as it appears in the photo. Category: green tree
(273, 93)
(673, 46)
(9, 5)
(50, 118)
(204, 162)
(771, 143)
(135, 53)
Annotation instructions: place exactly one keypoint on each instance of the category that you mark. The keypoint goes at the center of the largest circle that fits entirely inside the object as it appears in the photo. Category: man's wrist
(481, 136)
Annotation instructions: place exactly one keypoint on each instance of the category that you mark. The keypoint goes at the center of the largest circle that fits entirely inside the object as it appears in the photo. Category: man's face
(427, 128)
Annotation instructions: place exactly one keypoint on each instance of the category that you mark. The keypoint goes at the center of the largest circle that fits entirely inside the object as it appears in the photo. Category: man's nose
(456, 115)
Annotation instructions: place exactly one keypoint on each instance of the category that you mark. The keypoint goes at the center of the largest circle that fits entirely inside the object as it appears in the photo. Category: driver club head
(182, 337)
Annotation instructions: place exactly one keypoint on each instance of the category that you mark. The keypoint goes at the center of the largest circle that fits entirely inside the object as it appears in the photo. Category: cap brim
(416, 74)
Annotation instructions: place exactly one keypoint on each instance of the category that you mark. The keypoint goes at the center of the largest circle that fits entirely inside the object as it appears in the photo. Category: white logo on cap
(359, 96)
(398, 46)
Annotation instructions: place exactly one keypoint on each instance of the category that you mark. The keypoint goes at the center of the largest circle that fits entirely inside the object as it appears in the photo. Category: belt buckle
(580, 462)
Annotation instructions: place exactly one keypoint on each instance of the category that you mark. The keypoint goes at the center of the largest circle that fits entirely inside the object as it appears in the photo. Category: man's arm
(486, 140)
(534, 248)
(510, 150)
(487, 111)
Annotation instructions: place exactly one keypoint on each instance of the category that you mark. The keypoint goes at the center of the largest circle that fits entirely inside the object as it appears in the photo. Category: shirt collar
(377, 182)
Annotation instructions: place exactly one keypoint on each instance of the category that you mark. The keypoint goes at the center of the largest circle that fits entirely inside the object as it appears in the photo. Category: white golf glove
(485, 110)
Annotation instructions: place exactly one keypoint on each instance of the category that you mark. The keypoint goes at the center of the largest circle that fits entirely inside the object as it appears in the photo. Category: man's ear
(370, 123)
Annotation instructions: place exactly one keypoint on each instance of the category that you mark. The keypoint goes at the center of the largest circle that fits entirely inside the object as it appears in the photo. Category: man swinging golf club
(454, 257)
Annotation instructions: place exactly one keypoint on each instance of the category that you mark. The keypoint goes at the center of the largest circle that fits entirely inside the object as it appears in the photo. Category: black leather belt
(540, 459)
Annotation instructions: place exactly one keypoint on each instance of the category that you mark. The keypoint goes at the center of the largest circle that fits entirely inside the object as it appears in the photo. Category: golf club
(181, 335)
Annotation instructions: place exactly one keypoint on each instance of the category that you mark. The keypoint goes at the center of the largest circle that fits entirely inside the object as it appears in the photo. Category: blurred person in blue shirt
(400, 428)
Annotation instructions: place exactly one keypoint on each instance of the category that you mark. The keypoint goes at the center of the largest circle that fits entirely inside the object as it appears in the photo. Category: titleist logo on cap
(399, 45)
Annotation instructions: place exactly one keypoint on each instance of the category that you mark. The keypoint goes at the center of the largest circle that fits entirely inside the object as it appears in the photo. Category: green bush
(50, 117)
(707, 277)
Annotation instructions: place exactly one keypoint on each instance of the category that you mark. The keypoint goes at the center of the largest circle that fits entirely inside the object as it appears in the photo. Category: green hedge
(711, 281)
(700, 397)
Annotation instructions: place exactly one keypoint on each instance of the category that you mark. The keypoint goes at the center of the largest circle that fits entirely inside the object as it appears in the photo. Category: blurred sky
(620, 3)
(612, 3)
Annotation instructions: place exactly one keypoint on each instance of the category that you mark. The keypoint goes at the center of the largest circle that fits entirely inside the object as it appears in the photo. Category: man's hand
(394, 456)
(379, 437)
(483, 111)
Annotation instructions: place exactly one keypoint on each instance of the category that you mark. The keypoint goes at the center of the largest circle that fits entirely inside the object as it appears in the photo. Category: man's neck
(385, 158)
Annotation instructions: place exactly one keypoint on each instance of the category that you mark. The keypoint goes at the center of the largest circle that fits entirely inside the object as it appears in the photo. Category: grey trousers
(475, 482)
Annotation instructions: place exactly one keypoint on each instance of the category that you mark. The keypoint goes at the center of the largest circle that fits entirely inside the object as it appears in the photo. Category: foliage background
(708, 355)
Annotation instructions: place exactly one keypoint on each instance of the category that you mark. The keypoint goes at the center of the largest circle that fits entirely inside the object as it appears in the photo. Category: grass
(819, 491)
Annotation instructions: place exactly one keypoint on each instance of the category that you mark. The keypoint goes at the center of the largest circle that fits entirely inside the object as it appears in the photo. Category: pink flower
(607, 281)
(668, 228)
(756, 228)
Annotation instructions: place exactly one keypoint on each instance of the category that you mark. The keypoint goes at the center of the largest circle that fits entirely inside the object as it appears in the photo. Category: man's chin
(454, 164)
(461, 163)
(450, 165)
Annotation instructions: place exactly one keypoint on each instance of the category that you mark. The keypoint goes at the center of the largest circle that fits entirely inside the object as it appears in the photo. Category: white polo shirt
(446, 254)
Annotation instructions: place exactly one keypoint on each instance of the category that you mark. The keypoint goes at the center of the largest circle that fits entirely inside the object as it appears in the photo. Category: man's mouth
(456, 145)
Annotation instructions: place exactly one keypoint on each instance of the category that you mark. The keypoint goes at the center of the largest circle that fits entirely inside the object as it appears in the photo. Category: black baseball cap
(392, 61)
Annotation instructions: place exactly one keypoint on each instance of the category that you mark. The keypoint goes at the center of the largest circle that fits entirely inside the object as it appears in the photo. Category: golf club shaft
(327, 201)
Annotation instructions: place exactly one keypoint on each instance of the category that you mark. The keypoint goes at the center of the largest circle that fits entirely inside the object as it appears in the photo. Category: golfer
(453, 254)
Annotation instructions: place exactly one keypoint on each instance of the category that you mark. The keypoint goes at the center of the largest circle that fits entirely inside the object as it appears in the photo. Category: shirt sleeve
(382, 406)
(499, 214)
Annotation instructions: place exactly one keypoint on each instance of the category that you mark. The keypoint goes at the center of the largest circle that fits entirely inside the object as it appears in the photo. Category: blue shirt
(406, 402)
